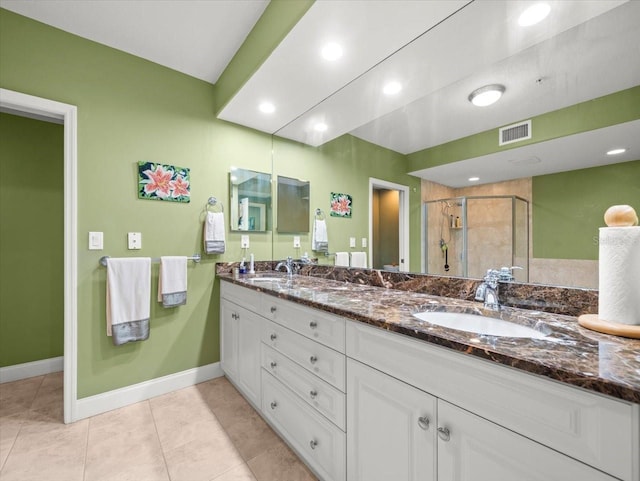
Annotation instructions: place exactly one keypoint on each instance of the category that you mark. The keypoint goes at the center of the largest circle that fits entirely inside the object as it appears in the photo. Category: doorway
(44, 109)
(388, 225)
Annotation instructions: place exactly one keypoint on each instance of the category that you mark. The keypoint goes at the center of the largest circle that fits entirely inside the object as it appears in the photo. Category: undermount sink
(266, 279)
(478, 324)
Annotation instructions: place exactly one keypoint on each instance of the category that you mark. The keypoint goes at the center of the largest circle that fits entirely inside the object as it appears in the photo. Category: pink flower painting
(163, 182)
(340, 205)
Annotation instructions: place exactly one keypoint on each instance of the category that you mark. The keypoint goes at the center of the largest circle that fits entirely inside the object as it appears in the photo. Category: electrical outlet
(134, 240)
(96, 241)
(296, 242)
(352, 241)
(244, 242)
(364, 242)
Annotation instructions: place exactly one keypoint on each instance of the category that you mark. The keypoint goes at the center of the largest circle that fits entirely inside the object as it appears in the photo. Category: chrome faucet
(487, 292)
(289, 265)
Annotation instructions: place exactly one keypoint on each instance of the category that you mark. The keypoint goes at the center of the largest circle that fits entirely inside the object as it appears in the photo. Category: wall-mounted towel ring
(213, 204)
(319, 214)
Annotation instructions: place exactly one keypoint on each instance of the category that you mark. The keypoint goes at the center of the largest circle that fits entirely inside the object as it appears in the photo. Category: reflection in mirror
(249, 200)
(293, 205)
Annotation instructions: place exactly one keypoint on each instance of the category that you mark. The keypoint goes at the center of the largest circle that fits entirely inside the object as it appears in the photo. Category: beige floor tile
(240, 473)
(280, 464)
(251, 435)
(9, 429)
(18, 396)
(202, 460)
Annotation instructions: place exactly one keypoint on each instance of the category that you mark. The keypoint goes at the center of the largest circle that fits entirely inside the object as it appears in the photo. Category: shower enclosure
(465, 236)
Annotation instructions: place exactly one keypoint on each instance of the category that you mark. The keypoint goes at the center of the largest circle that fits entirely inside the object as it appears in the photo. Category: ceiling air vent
(515, 132)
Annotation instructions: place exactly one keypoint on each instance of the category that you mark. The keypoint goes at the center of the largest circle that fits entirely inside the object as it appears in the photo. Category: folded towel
(128, 299)
(359, 259)
(214, 233)
(172, 281)
(319, 238)
(342, 259)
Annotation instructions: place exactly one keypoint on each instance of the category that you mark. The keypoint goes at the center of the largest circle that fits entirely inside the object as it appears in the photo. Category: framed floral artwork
(340, 205)
(163, 182)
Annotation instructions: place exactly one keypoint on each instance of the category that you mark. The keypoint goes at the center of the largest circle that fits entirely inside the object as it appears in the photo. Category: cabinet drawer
(599, 431)
(320, 395)
(241, 296)
(325, 363)
(312, 323)
(317, 441)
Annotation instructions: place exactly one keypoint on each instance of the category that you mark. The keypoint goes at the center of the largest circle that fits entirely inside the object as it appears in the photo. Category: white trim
(37, 106)
(31, 369)
(403, 220)
(100, 403)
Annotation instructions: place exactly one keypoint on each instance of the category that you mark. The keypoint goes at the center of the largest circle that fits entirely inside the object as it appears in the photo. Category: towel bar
(195, 258)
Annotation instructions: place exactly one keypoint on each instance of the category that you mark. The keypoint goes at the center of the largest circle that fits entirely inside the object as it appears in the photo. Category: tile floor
(201, 433)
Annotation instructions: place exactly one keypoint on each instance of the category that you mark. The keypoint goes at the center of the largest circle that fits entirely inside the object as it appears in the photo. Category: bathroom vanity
(361, 389)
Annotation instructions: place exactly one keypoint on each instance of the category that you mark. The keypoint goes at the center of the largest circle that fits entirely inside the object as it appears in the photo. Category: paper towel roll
(619, 275)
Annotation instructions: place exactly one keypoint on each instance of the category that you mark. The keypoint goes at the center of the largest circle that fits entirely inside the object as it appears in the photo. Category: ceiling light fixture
(474, 179)
(267, 108)
(616, 151)
(534, 14)
(392, 88)
(486, 95)
(331, 51)
(320, 127)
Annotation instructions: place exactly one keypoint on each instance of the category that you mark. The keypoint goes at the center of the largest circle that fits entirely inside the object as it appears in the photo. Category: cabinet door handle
(273, 364)
(273, 337)
(313, 359)
(444, 434)
(423, 422)
(273, 404)
(273, 309)
(313, 393)
(313, 443)
(313, 324)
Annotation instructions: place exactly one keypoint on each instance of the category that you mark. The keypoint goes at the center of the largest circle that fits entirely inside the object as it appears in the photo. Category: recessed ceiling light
(392, 88)
(331, 51)
(534, 14)
(320, 127)
(486, 95)
(616, 151)
(267, 108)
(474, 179)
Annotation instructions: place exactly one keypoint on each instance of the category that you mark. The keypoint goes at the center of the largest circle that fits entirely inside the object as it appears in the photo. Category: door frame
(403, 220)
(45, 109)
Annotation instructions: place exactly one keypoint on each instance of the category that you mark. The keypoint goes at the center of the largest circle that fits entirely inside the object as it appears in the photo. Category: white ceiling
(195, 37)
(439, 49)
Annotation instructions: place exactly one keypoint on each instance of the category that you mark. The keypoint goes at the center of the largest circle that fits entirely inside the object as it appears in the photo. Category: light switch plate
(96, 242)
(134, 240)
(296, 242)
(364, 242)
(244, 242)
(352, 241)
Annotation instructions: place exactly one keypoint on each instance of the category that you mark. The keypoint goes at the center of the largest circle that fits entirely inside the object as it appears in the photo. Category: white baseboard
(100, 403)
(31, 369)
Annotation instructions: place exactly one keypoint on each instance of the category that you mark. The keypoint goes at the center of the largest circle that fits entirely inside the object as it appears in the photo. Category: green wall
(571, 206)
(31, 240)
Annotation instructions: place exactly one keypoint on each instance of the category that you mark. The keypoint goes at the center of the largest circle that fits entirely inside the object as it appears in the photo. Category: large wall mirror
(249, 200)
(293, 205)
(575, 75)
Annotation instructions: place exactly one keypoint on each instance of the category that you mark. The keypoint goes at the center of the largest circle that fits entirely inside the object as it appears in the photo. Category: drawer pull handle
(273, 364)
(313, 324)
(273, 309)
(444, 434)
(273, 404)
(313, 394)
(423, 422)
(313, 443)
(273, 337)
(313, 359)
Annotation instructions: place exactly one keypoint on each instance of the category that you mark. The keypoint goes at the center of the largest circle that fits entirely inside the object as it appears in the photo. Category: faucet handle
(506, 273)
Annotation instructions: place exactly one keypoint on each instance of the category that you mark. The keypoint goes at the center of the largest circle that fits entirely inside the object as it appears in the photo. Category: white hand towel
(172, 281)
(342, 259)
(128, 299)
(319, 238)
(214, 242)
(359, 259)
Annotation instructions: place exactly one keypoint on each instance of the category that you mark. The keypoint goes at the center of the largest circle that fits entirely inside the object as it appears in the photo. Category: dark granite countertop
(569, 353)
